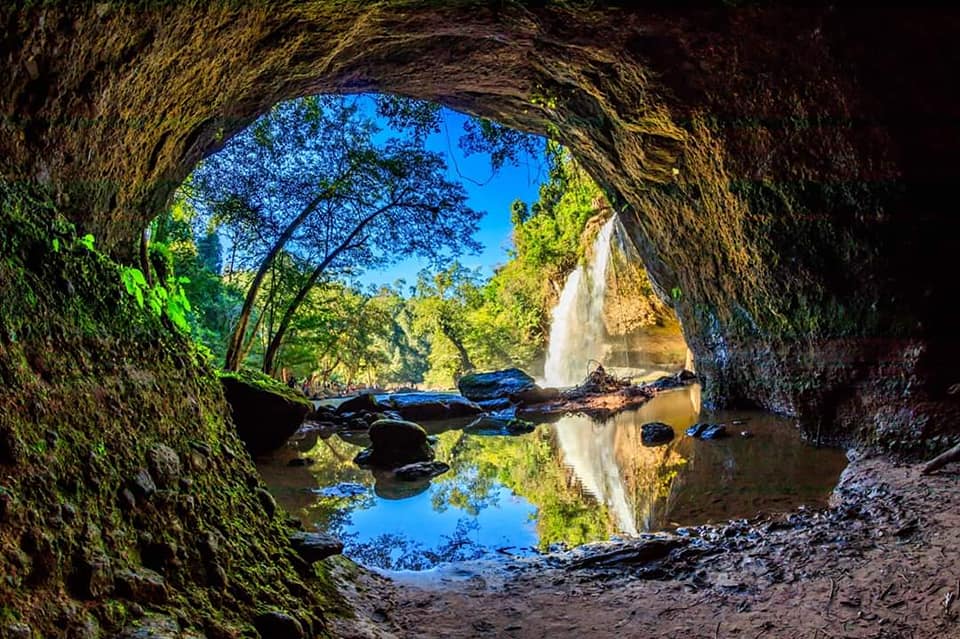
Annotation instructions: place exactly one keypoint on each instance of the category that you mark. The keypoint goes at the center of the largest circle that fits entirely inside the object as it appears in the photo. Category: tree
(441, 304)
(314, 179)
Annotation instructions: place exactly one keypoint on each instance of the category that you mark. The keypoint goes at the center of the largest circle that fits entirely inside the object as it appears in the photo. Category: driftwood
(942, 460)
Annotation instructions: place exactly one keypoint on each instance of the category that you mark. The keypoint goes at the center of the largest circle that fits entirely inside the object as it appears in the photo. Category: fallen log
(942, 460)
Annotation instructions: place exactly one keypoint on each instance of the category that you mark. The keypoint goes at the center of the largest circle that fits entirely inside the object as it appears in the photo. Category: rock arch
(782, 169)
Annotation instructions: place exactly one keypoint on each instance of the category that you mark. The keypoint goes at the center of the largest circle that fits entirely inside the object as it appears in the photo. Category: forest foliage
(268, 236)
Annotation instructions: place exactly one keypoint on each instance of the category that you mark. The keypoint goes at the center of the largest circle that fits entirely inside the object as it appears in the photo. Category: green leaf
(86, 241)
(56, 245)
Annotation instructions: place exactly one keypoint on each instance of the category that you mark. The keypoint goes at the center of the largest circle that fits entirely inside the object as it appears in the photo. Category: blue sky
(488, 192)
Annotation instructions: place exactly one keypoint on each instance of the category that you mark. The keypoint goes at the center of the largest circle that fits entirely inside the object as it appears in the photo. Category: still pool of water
(570, 482)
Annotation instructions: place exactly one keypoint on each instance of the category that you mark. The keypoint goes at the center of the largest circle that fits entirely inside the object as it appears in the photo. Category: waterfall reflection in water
(568, 483)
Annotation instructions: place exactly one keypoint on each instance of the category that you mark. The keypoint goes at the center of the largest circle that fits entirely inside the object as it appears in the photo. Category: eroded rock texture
(786, 172)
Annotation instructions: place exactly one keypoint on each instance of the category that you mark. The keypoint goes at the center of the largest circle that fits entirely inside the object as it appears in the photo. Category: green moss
(266, 384)
(90, 383)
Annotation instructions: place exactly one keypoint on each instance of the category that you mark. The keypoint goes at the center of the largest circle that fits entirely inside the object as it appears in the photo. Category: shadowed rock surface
(265, 412)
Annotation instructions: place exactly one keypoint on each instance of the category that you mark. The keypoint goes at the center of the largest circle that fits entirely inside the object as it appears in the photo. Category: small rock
(196, 461)
(93, 577)
(217, 576)
(128, 502)
(715, 431)
(142, 484)
(6, 504)
(164, 464)
(535, 396)
(655, 434)
(210, 545)
(267, 501)
(10, 449)
(395, 443)
(278, 625)
(315, 546)
(483, 386)
(153, 627)
(18, 631)
(143, 585)
(705, 430)
(697, 429)
(301, 461)
(365, 402)
(420, 470)
(746, 434)
(68, 511)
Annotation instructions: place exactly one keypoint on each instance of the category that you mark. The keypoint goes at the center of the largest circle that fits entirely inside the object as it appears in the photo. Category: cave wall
(783, 170)
(128, 505)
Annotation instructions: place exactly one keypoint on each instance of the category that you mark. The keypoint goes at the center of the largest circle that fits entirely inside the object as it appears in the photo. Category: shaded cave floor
(882, 561)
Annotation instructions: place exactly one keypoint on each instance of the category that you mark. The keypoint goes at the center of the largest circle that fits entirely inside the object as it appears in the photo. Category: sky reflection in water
(567, 483)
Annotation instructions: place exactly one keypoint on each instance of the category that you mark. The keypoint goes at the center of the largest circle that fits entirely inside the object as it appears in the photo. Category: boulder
(314, 546)
(420, 470)
(484, 386)
(395, 443)
(655, 434)
(366, 402)
(535, 395)
(428, 406)
(504, 422)
(265, 412)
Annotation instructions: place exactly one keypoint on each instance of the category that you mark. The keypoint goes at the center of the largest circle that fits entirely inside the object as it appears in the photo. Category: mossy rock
(265, 412)
(395, 443)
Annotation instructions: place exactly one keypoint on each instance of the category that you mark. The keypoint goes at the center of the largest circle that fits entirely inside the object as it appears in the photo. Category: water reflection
(567, 483)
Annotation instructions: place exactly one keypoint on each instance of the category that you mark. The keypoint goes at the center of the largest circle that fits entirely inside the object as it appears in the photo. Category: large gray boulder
(481, 387)
(428, 406)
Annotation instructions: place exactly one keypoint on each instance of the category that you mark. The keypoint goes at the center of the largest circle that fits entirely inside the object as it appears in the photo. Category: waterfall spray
(576, 327)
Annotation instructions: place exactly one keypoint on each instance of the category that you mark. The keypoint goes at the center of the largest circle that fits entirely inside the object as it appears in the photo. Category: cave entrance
(514, 481)
(336, 287)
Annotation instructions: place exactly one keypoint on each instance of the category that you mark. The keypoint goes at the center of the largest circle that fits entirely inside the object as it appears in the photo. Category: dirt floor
(882, 561)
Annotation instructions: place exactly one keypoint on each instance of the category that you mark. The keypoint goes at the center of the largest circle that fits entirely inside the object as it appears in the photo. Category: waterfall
(576, 326)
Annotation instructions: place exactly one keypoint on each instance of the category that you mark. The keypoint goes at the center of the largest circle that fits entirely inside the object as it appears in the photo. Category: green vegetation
(91, 382)
(261, 248)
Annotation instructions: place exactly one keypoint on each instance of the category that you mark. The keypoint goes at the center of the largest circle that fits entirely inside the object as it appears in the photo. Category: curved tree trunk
(270, 356)
(466, 364)
(235, 348)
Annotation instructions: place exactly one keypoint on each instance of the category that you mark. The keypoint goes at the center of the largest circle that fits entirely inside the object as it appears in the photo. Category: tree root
(942, 460)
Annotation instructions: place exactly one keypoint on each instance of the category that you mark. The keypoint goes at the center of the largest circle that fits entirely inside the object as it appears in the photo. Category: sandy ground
(882, 561)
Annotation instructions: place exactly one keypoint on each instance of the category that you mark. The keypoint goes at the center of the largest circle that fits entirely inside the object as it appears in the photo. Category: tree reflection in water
(565, 484)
